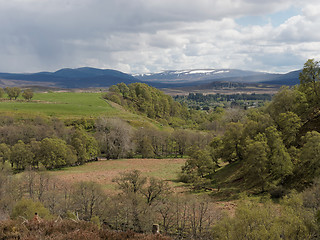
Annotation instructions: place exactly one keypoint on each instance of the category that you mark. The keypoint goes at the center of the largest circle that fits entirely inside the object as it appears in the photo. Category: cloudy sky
(140, 36)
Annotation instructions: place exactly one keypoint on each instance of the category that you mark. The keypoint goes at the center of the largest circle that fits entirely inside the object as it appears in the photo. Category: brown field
(104, 171)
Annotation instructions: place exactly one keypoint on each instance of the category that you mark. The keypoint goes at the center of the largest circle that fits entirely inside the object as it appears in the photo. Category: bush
(27, 208)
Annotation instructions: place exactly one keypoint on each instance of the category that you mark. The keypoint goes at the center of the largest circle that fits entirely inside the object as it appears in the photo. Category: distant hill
(92, 77)
(196, 77)
(70, 78)
(289, 79)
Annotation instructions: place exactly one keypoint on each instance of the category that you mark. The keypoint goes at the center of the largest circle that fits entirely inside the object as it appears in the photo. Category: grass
(61, 105)
(229, 183)
(104, 171)
(71, 105)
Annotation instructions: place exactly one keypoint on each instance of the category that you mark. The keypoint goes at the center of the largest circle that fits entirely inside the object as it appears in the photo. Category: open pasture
(104, 171)
(60, 104)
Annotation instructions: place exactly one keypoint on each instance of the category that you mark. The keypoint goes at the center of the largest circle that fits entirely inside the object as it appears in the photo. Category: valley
(133, 155)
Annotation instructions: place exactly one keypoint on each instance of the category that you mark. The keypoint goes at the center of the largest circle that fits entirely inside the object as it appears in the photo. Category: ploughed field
(104, 171)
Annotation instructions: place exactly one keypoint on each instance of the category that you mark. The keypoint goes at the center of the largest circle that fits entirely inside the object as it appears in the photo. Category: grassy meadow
(104, 171)
(60, 104)
(71, 105)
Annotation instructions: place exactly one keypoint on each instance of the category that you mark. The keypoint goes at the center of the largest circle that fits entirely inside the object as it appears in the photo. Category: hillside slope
(71, 78)
(92, 77)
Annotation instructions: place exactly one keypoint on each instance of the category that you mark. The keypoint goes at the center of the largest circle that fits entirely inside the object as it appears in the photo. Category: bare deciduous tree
(114, 137)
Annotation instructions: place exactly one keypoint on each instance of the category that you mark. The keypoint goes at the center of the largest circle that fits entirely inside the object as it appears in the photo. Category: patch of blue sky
(275, 19)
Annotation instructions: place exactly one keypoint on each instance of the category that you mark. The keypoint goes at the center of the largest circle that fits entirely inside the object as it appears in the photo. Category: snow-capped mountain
(195, 75)
(92, 77)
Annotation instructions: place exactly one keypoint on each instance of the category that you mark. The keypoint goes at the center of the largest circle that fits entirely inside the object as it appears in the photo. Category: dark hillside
(288, 79)
(74, 78)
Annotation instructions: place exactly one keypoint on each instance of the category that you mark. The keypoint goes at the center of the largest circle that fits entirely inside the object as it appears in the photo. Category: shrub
(27, 208)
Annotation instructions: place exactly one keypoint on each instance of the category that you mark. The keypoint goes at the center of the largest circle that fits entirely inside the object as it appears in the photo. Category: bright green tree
(55, 153)
(27, 208)
(124, 90)
(262, 221)
(200, 164)
(13, 92)
(21, 155)
(288, 100)
(309, 166)
(232, 143)
(289, 124)
(310, 81)
(280, 163)
(256, 162)
(5, 153)
(27, 94)
(215, 149)
(146, 148)
(85, 145)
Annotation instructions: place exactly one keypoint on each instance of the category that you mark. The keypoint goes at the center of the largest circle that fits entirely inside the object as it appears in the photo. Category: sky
(143, 36)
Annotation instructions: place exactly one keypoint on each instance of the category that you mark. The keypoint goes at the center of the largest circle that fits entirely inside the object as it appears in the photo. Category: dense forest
(272, 152)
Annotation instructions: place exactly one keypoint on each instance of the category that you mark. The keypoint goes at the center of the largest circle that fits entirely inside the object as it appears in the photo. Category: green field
(60, 104)
(71, 105)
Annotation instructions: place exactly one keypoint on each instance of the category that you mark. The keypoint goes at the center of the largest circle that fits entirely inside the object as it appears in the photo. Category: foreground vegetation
(143, 202)
(66, 229)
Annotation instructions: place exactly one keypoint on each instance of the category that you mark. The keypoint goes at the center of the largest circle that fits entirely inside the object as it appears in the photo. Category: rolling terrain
(100, 78)
(103, 171)
(202, 77)
(60, 104)
(68, 78)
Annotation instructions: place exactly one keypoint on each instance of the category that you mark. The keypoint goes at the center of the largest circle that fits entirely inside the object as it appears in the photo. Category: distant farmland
(63, 105)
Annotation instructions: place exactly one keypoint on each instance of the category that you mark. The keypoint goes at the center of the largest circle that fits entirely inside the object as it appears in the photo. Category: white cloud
(141, 36)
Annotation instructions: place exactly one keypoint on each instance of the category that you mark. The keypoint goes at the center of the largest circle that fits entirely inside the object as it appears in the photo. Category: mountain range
(68, 78)
(92, 77)
(204, 76)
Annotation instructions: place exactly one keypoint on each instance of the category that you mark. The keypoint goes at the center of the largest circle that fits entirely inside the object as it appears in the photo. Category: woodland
(262, 159)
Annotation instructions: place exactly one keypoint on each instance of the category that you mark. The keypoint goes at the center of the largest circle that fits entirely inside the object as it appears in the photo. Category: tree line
(200, 97)
(153, 103)
(44, 142)
(207, 102)
(51, 143)
(15, 92)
